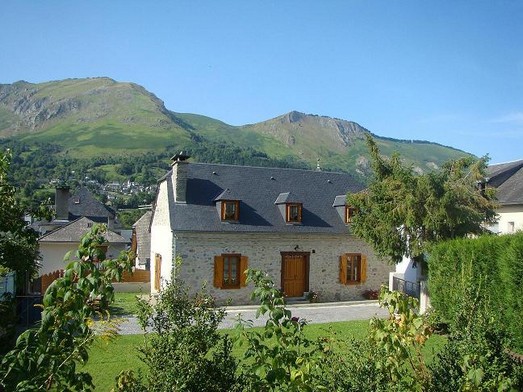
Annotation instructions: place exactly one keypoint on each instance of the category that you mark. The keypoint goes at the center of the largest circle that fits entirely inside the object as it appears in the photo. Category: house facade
(54, 245)
(507, 178)
(292, 224)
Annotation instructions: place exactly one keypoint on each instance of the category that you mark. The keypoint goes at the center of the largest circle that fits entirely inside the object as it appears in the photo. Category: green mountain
(95, 117)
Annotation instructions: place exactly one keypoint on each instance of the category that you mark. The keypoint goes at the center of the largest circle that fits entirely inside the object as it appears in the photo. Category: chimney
(179, 176)
(61, 202)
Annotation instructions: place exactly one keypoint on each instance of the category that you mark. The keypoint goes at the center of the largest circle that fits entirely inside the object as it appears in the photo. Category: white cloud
(515, 118)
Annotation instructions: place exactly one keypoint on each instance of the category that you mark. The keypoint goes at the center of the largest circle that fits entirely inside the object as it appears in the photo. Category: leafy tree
(390, 359)
(46, 357)
(18, 243)
(400, 213)
(476, 355)
(185, 352)
(279, 357)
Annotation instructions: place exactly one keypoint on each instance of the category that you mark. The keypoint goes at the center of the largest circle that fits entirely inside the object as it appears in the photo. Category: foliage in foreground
(183, 351)
(476, 356)
(46, 357)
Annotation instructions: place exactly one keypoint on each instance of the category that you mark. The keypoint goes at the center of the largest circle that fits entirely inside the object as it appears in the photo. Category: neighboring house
(55, 244)
(292, 224)
(75, 215)
(141, 241)
(69, 207)
(507, 178)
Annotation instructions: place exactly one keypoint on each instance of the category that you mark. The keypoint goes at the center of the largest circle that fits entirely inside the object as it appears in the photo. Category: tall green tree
(402, 212)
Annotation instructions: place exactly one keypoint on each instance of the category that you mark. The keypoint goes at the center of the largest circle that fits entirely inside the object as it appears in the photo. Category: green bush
(185, 352)
(475, 357)
(494, 263)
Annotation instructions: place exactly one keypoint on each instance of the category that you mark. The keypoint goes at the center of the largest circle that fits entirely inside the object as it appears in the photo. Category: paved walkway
(313, 313)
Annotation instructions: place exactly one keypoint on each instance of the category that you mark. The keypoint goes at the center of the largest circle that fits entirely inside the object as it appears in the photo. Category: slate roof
(507, 178)
(74, 231)
(83, 203)
(258, 188)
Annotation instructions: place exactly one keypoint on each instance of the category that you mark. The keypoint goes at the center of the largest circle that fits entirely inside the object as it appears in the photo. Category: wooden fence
(138, 276)
(47, 279)
(142, 276)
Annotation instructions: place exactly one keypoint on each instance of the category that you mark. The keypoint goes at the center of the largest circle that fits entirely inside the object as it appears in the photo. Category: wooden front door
(295, 274)
(157, 272)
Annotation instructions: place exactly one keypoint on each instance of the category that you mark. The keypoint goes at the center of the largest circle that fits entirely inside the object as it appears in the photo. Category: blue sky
(445, 71)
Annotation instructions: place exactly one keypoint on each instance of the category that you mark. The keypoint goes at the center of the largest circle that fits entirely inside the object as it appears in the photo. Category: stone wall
(197, 251)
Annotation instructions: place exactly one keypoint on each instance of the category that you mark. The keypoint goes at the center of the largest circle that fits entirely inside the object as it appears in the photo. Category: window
(293, 214)
(230, 210)
(349, 213)
(353, 268)
(229, 271)
(511, 227)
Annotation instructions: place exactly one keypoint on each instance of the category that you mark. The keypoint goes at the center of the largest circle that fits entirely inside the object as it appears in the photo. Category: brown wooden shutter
(299, 212)
(363, 268)
(244, 264)
(343, 269)
(218, 271)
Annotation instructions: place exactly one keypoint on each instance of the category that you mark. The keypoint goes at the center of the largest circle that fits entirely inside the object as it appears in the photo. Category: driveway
(313, 313)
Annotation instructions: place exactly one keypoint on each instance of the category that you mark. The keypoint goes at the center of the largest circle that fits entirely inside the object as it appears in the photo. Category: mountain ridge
(94, 116)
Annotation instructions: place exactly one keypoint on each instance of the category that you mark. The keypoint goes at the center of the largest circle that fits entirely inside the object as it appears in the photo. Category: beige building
(292, 224)
(54, 245)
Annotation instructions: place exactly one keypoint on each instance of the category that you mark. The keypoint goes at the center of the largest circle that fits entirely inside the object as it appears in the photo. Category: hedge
(491, 264)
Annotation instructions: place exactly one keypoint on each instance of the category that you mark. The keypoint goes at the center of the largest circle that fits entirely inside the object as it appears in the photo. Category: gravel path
(313, 313)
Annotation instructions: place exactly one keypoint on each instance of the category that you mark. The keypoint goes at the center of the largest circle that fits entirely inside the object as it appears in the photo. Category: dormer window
(230, 210)
(293, 212)
(228, 206)
(350, 212)
(291, 207)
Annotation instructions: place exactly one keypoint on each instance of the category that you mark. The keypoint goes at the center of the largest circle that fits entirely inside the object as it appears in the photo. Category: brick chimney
(179, 176)
(61, 201)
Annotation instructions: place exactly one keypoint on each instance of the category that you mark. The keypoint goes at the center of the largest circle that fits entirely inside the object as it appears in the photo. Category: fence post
(424, 299)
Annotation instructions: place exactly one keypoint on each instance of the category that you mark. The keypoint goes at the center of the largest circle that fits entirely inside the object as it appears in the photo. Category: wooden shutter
(244, 264)
(343, 269)
(218, 271)
(363, 269)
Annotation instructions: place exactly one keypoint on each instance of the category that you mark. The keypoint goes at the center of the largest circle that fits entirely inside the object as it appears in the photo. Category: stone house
(507, 178)
(292, 224)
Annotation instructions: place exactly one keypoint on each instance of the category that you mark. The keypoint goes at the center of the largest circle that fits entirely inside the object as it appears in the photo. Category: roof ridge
(269, 168)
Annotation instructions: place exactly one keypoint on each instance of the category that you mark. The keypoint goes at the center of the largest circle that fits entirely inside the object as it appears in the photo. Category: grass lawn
(107, 359)
(124, 304)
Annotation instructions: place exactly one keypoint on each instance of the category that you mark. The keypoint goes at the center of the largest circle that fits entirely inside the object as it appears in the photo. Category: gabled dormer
(228, 206)
(345, 211)
(290, 207)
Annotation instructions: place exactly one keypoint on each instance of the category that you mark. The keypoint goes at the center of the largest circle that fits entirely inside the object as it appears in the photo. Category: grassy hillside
(96, 117)
(88, 117)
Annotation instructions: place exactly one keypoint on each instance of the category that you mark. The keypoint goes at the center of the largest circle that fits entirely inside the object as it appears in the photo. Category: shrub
(185, 351)
(492, 263)
(475, 357)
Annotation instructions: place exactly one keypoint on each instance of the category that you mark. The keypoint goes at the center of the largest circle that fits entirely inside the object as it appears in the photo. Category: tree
(46, 357)
(401, 213)
(18, 243)
(185, 352)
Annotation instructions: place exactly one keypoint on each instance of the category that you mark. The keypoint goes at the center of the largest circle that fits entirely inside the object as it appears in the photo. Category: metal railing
(404, 286)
